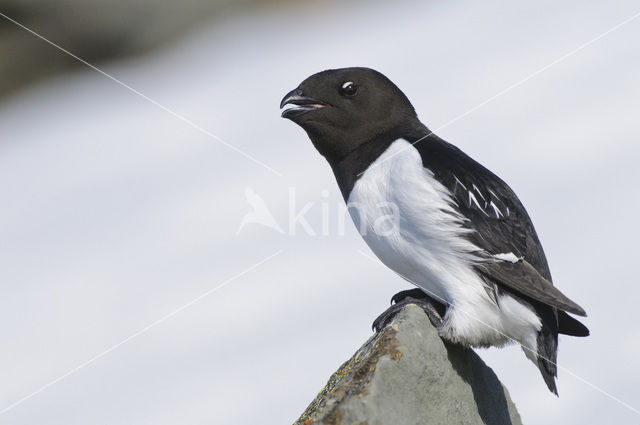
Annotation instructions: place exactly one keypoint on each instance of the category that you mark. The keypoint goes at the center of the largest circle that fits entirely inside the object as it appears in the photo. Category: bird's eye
(348, 89)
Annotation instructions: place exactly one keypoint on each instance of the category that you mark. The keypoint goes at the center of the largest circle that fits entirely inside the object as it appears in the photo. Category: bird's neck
(348, 168)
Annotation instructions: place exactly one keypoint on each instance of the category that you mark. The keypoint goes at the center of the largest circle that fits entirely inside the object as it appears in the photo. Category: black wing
(501, 224)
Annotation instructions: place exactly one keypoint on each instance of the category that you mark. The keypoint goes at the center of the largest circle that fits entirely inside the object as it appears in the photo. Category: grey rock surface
(94, 30)
(406, 375)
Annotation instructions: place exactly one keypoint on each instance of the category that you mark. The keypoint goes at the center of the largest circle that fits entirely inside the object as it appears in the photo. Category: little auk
(461, 235)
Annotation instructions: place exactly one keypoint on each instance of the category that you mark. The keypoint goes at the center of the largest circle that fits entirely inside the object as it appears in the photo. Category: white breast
(406, 217)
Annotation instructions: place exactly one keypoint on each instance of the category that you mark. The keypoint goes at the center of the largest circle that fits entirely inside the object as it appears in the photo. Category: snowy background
(115, 213)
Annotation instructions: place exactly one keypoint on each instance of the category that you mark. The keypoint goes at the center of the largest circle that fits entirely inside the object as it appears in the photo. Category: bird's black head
(340, 109)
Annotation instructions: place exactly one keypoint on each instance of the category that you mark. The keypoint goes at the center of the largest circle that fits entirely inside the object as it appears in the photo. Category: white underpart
(429, 249)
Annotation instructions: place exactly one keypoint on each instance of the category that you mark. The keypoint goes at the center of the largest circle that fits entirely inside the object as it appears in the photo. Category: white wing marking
(459, 182)
(496, 209)
(480, 193)
(508, 256)
(473, 200)
(472, 197)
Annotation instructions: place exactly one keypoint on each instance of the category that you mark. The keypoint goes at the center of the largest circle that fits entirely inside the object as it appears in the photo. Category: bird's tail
(549, 373)
(548, 345)
(548, 352)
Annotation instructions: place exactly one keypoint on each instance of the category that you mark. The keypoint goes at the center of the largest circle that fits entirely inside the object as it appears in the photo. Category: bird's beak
(302, 104)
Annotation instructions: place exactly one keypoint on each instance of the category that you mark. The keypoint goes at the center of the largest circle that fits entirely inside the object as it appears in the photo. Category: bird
(455, 230)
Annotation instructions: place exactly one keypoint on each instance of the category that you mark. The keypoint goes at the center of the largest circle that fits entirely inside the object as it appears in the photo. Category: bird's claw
(430, 307)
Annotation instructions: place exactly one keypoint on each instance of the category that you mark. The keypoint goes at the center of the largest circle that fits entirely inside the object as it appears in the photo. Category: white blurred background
(115, 213)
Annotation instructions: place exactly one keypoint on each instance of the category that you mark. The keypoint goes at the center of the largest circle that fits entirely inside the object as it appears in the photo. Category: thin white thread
(137, 333)
(154, 102)
(513, 86)
(614, 398)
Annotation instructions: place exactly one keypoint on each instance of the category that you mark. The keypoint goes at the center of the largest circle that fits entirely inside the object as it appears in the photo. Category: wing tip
(577, 310)
(567, 325)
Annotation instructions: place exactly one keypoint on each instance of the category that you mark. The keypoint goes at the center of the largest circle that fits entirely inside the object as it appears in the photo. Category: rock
(92, 30)
(406, 374)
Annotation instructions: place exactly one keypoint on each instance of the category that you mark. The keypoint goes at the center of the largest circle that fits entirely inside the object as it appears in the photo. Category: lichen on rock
(406, 374)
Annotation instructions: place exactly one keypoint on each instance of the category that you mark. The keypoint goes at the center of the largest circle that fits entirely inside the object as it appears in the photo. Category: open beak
(301, 104)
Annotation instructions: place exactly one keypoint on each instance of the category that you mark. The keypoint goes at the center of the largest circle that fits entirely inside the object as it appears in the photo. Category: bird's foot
(413, 293)
(433, 309)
